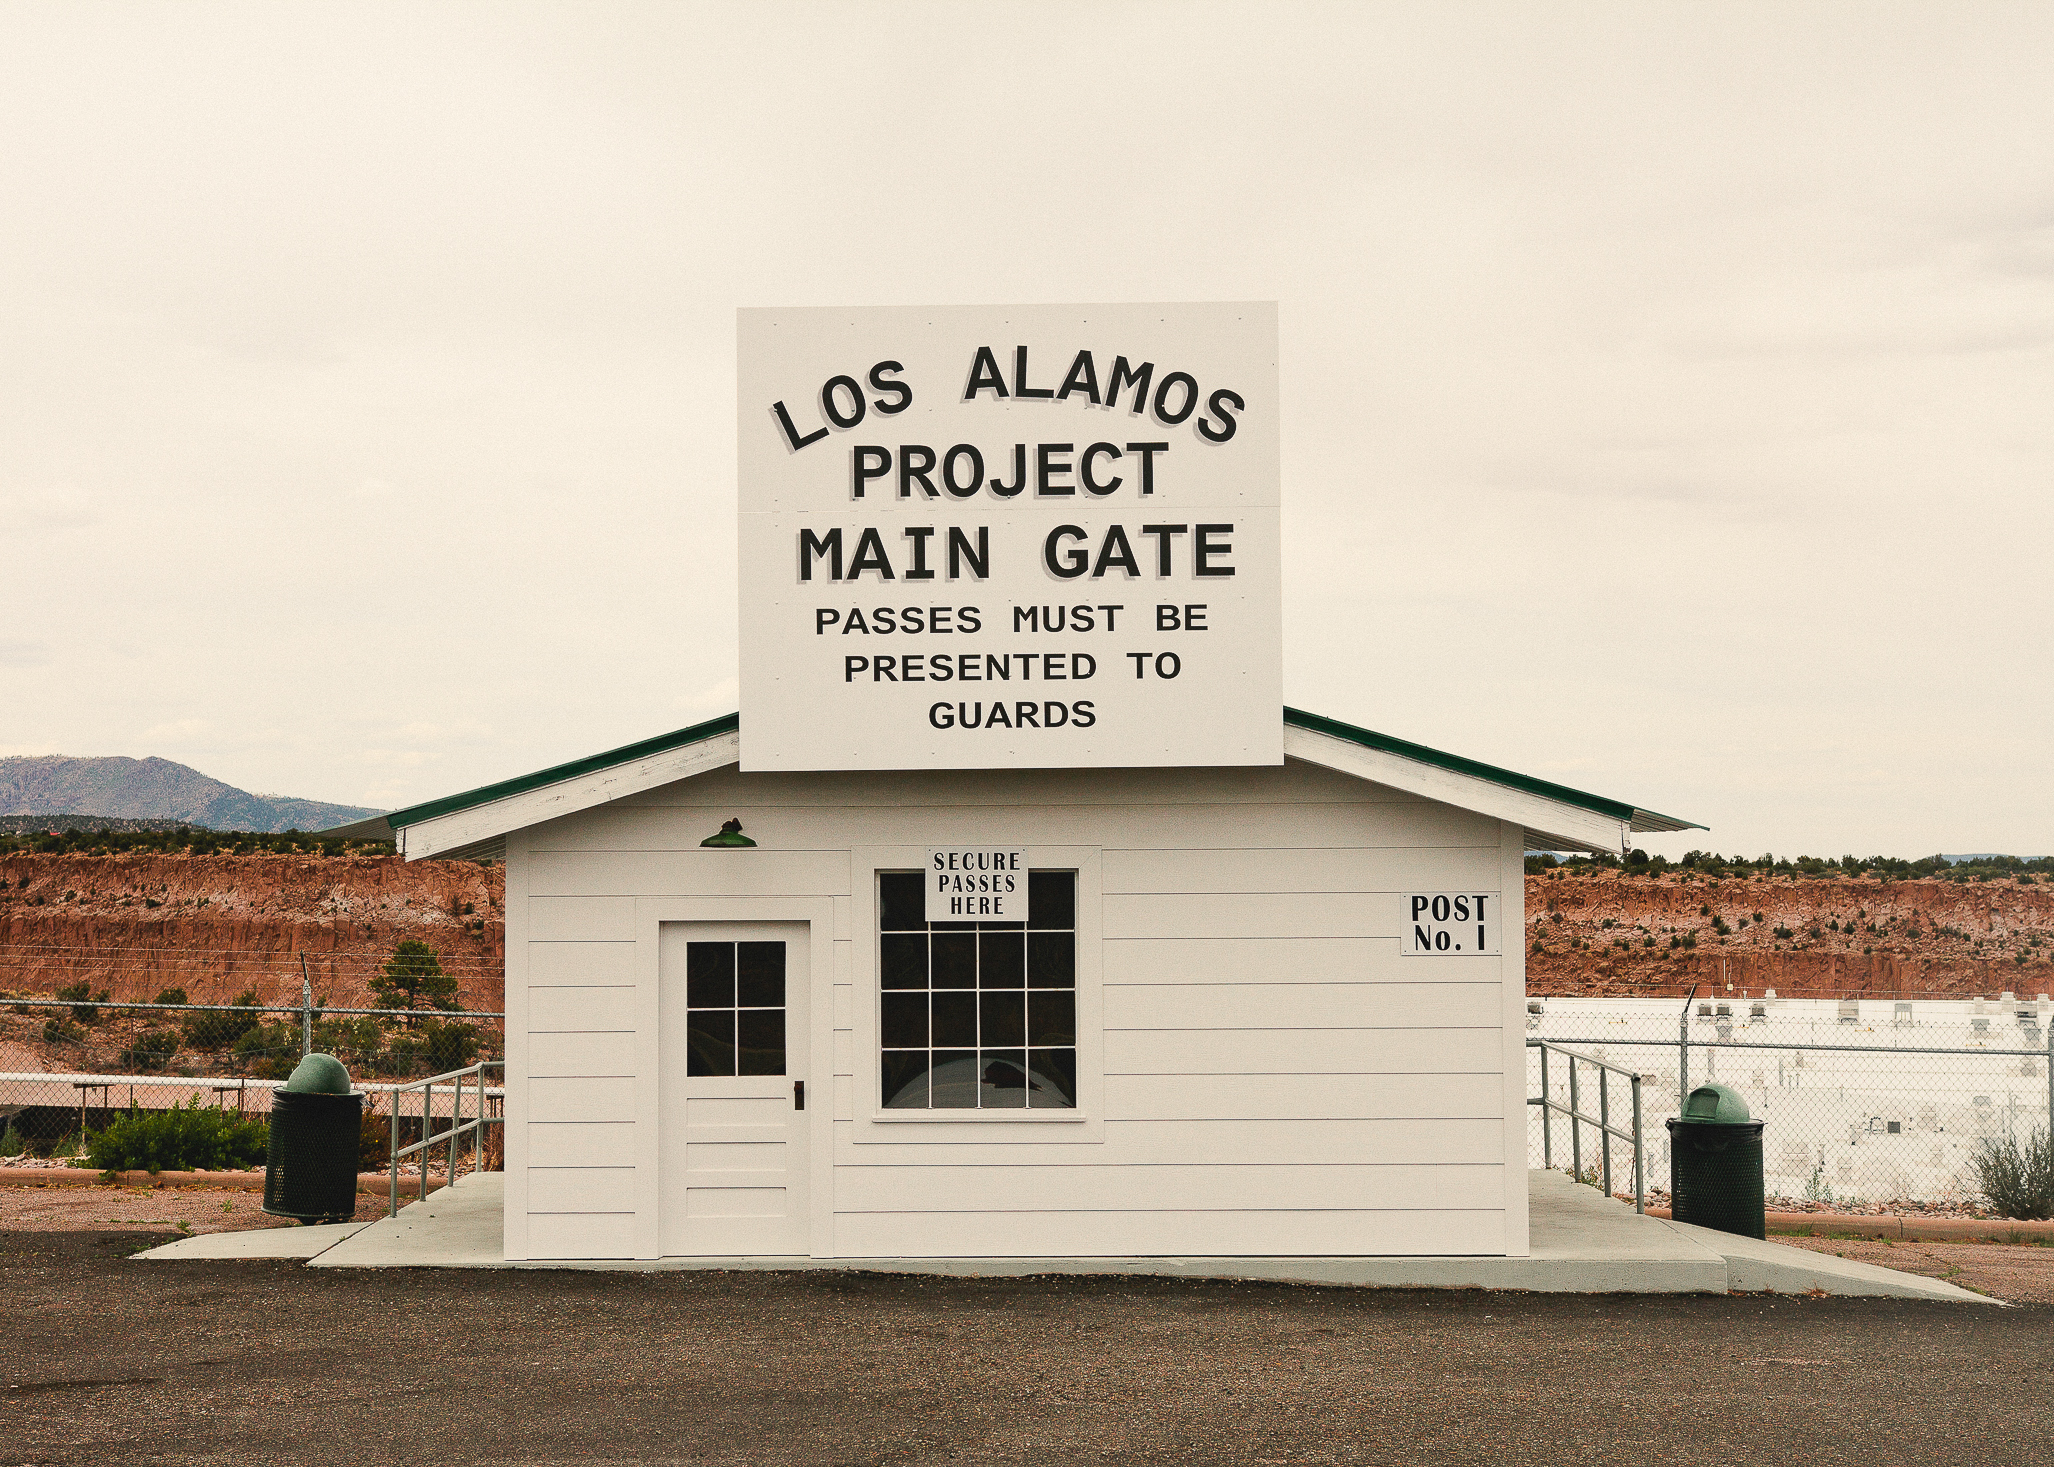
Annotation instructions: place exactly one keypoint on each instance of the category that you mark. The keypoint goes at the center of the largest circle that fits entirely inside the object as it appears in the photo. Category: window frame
(875, 1124)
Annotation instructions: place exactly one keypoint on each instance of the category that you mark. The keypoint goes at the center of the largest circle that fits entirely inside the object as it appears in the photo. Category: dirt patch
(172, 1209)
(2020, 1275)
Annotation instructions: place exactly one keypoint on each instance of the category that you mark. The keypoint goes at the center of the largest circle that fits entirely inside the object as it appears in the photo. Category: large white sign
(1020, 536)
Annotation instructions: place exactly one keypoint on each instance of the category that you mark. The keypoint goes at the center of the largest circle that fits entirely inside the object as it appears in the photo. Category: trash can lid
(319, 1074)
(1718, 1105)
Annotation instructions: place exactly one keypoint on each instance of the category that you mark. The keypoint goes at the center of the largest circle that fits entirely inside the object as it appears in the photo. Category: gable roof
(476, 822)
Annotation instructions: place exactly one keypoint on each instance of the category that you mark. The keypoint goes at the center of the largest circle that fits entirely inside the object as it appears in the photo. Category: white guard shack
(1235, 1053)
(1014, 916)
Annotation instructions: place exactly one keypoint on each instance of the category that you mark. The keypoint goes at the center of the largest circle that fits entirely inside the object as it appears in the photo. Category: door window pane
(710, 975)
(760, 975)
(978, 1015)
(734, 1008)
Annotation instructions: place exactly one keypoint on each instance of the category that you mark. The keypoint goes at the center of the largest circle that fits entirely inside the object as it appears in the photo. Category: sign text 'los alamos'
(1035, 536)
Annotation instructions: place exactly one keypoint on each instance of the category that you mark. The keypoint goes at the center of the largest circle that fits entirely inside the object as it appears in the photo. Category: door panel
(734, 1041)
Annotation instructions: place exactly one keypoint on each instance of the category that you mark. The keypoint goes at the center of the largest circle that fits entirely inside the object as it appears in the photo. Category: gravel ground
(116, 1361)
(96, 1209)
(2022, 1275)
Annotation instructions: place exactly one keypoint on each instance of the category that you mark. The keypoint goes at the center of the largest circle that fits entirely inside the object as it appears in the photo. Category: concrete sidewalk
(1582, 1242)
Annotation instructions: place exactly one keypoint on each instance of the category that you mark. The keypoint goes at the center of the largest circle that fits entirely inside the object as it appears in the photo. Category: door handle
(798, 1095)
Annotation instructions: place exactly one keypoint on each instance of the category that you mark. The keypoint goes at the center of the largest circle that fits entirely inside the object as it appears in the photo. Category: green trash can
(310, 1171)
(1715, 1163)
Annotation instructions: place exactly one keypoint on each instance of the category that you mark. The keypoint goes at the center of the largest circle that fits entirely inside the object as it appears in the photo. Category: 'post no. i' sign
(1029, 536)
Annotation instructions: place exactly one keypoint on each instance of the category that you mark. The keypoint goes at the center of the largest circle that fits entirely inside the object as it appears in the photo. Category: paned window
(978, 1015)
(735, 1008)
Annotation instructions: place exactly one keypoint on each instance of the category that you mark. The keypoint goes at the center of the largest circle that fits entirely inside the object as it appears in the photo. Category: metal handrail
(1602, 1120)
(458, 1125)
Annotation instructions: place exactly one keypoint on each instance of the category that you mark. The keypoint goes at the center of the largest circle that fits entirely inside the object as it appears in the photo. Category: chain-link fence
(1866, 1101)
(69, 1065)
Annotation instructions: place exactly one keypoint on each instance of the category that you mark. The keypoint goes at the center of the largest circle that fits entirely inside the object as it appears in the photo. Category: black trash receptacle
(310, 1171)
(1715, 1164)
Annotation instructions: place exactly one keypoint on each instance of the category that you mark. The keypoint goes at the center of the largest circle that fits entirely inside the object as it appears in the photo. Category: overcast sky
(1666, 390)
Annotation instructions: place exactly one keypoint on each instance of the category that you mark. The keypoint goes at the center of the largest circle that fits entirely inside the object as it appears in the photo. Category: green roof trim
(728, 723)
(1547, 789)
(713, 728)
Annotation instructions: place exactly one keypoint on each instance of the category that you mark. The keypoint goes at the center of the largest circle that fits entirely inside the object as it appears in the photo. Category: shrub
(61, 1030)
(151, 1050)
(1783, 933)
(171, 995)
(269, 1050)
(189, 1137)
(374, 1143)
(83, 1008)
(451, 1045)
(11, 1143)
(2017, 1177)
(217, 1028)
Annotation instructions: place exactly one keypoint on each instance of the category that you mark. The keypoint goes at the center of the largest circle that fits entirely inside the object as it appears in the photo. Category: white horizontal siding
(581, 1143)
(1302, 1051)
(1258, 1232)
(1233, 1006)
(1268, 914)
(553, 1098)
(1284, 960)
(581, 1189)
(1356, 869)
(1293, 1141)
(1215, 1188)
(576, 964)
(552, 1055)
(1302, 1097)
(1308, 825)
(694, 872)
(570, 1010)
(576, 1235)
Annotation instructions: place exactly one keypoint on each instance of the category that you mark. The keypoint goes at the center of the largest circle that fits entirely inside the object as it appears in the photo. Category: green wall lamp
(730, 835)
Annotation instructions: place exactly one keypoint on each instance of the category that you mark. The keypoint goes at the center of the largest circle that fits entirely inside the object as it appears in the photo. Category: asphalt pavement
(112, 1361)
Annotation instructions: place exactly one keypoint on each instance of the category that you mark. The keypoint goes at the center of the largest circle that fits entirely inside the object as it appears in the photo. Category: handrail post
(1548, 1113)
(1639, 1176)
(1575, 1126)
(1605, 1123)
(392, 1193)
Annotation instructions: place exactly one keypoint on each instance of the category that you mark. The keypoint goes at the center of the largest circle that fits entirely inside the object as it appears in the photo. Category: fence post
(2050, 1077)
(1683, 1054)
(306, 1010)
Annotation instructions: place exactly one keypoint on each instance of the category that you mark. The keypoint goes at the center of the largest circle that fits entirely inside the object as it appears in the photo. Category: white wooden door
(732, 1008)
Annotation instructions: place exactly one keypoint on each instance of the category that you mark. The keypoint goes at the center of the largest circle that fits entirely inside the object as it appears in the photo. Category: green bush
(190, 1137)
(171, 995)
(151, 1050)
(216, 1029)
(413, 979)
(84, 1011)
(374, 1143)
(269, 1051)
(2016, 1176)
(451, 1045)
(61, 1030)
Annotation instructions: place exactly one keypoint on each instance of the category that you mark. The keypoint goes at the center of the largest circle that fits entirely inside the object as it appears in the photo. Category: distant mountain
(153, 789)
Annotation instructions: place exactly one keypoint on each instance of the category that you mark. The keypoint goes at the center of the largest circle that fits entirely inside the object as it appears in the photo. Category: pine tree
(414, 979)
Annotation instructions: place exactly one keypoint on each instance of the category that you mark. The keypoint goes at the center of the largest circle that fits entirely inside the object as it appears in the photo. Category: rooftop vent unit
(1704, 1011)
(1535, 1006)
(1758, 1010)
(1901, 1015)
(1850, 1011)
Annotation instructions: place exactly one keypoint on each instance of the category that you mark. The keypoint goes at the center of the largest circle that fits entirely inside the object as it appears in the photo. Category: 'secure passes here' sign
(986, 537)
